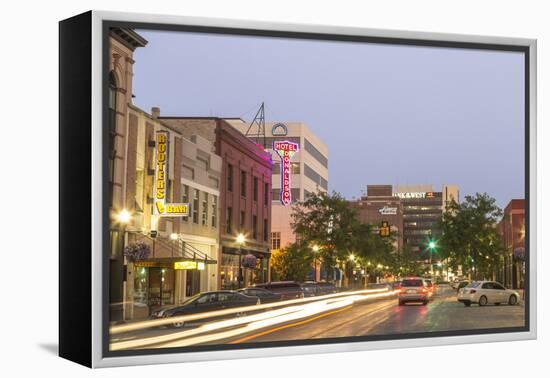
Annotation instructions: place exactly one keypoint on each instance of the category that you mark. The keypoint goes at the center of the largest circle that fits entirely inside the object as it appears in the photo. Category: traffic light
(384, 230)
(431, 244)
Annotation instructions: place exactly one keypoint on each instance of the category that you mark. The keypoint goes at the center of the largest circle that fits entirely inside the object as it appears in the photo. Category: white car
(485, 292)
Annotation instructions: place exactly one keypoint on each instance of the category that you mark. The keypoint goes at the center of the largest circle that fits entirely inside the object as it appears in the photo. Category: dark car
(205, 302)
(287, 289)
(311, 289)
(264, 295)
(326, 288)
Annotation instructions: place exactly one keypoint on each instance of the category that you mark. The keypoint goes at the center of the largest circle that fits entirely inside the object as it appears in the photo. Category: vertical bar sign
(161, 208)
(285, 150)
(161, 171)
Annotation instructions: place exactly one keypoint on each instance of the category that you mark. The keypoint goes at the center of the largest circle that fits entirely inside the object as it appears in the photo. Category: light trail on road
(299, 309)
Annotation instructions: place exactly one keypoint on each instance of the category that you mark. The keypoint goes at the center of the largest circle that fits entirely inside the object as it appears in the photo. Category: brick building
(512, 231)
(381, 205)
(245, 198)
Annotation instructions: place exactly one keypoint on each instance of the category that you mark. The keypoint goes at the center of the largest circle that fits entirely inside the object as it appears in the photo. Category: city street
(341, 318)
(385, 317)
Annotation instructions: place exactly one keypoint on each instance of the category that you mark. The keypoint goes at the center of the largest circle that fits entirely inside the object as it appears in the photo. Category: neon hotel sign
(285, 150)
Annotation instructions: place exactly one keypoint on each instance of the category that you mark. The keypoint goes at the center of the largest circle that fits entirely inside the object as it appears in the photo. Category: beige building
(193, 176)
(123, 43)
(309, 172)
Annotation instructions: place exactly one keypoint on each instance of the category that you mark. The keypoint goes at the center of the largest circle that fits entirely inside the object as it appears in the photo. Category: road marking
(288, 326)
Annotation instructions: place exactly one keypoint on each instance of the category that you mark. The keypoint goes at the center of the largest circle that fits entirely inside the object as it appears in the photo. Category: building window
(266, 193)
(294, 168)
(196, 206)
(214, 210)
(228, 220)
(242, 220)
(315, 153)
(205, 210)
(265, 230)
(185, 197)
(255, 194)
(202, 163)
(275, 194)
(214, 182)
(254, 227)
(315, 177)
(229, 177)
(243, 184)
(188, 172)
(295, 193)
(275, 240)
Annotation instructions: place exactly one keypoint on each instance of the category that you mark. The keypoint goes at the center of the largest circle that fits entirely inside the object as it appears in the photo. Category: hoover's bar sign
(161, 208)
(285, 150)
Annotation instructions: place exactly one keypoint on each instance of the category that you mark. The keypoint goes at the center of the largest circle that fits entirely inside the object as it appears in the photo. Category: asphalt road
(373, 317)
(383, 317)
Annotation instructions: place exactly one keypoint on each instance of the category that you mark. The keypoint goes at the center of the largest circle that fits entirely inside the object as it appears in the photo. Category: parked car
(264, 295)
(310, 288)
(486, 292)
(461, 284)
(413, 289)
(287, 289)
(326, 288)
(205, 302)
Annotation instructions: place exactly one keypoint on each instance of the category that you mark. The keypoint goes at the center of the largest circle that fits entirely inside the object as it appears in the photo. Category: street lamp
(123, 216)
(431, 247)
(315, 249)
(240, 241)
(351, 260)
(173, 236)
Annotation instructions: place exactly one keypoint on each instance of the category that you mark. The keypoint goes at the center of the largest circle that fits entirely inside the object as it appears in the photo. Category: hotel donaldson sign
(285, 150)
(161, 208)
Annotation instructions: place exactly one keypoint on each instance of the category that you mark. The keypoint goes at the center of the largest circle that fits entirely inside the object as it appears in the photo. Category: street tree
(292, 263)
(469, 236)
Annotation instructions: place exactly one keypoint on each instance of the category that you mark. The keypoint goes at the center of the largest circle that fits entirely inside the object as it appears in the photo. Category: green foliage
(470, 238)
(292, 263)
(329, 222)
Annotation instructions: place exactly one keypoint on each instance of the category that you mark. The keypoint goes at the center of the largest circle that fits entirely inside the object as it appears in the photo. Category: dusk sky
(389, 114)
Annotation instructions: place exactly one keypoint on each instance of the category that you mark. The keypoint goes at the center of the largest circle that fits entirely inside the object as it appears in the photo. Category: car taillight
(424, 290)
(472, 291)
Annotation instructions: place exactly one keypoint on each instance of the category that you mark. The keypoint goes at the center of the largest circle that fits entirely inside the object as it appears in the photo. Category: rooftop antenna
(259, 121)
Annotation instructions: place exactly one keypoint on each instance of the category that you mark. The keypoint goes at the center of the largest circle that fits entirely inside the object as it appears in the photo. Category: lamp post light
(431, 247)
(315, 249)
(351, 260)
(240, 241)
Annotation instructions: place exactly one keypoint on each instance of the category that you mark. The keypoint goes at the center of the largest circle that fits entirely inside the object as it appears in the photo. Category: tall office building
(422, 210)
(307, 172)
